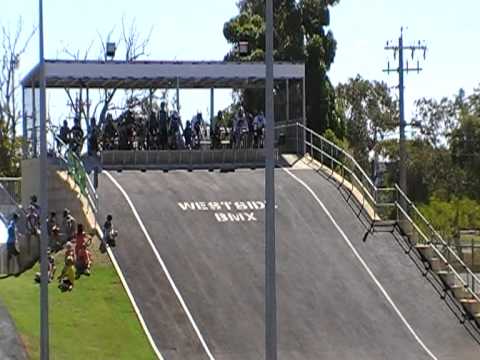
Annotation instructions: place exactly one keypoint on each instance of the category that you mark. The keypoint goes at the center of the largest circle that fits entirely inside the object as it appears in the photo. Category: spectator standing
(163, 127)
(34, 204)
(12, 244)
(258, 127)
(217, 131)
(240, 127)
(187, 134)
(109, 134)
(197, 125)
(33, 227)
(141, 133)
(251, 131)
(53, 231)
(152, 131)
(174, 130)
(64, 135)
(93, 138)
(76, 137)
(69, 226)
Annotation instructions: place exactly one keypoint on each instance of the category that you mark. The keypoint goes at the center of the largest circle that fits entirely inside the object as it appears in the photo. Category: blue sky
(192, 30)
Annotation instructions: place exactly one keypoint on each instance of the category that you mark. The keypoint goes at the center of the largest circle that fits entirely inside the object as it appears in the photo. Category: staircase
(390, 210)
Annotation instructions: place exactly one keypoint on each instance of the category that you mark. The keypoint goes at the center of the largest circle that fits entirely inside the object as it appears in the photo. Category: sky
(192, 30)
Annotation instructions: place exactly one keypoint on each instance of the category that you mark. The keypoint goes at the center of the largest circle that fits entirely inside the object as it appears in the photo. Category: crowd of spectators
(66, 236)
(164, 130)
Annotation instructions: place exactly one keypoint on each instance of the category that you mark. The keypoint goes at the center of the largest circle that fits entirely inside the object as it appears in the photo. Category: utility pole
(402, 68)
(270, 257)
(44, 335)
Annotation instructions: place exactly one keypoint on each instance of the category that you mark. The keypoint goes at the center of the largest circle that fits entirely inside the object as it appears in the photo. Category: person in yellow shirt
(67, 277)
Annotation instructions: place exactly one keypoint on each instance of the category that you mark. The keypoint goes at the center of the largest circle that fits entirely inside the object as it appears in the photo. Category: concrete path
(11, 347)
(209, 230)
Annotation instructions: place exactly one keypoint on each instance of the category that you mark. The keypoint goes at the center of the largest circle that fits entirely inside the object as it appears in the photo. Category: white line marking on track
(162, 264)
(113, 259)
(364, 264)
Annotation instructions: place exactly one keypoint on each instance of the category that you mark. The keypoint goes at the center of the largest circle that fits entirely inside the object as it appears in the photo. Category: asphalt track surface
(329, 307)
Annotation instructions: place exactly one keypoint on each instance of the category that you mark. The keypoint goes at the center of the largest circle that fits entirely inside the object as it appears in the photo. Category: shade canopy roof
(159, 74)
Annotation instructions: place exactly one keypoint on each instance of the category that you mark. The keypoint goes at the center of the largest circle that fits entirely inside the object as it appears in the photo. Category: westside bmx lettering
(226, 211)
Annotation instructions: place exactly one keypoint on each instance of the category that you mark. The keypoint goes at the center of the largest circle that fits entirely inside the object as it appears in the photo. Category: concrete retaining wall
(62, 193)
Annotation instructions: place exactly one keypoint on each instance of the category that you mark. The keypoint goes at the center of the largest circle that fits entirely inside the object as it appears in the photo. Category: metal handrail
(14, 195)
(474, 278)
(346, 154)
(370, 191)
(441, 256)
(76, 167)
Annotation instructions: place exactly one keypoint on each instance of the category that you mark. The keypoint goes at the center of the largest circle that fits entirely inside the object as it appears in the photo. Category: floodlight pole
(44, 341)
(270, 272)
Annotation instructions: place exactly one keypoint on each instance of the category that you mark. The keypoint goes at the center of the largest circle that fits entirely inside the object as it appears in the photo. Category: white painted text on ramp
(226, 211)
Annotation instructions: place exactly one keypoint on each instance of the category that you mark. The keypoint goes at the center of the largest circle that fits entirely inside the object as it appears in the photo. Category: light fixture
(15, 61)
(110, 50)
(243, 47)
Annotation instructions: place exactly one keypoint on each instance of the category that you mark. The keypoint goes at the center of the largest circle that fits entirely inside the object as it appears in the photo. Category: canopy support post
(178, 95)
(34, 122)
(287, 94)
(212, 109)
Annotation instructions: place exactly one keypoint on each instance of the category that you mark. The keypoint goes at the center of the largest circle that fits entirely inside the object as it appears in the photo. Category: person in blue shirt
(12, 250)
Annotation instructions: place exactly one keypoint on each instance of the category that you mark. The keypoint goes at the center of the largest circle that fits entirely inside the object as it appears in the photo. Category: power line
(401, 69)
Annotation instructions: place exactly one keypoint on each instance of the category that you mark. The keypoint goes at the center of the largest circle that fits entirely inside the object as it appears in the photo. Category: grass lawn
(94, 321)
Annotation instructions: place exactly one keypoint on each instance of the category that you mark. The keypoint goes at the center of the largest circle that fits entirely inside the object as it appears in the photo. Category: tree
(437, 119)
(465, 150)
(134, 46)
(13, 46)
(300, 35)
(368, 112)
(451, 127)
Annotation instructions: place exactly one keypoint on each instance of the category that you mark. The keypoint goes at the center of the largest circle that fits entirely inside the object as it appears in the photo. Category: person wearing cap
(12, 246)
